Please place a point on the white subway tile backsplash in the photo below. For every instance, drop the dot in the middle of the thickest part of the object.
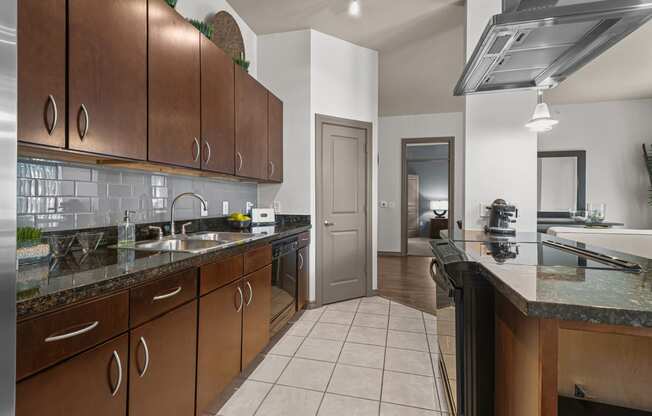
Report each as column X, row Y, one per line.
column 74, row 205
column 119, row 191
column 75, row 173
column 88, row 189
column 133, row 178
column 107, row 176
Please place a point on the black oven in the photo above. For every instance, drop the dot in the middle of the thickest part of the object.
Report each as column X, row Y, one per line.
column 284, row 279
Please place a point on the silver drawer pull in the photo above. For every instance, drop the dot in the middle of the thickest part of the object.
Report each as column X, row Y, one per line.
column 87, row 122
column 251, row 293
column 73, row 334
column 240, row 161
column 196, row 150
column 271, row 165
column 208, row 152
column 239, row 308
column 55, row 114
column 146, row 349
column 300, row 261
column 116, row 358
column 168, row 295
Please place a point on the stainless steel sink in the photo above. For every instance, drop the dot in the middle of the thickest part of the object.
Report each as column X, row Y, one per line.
column 180, row 245
column 224, row 236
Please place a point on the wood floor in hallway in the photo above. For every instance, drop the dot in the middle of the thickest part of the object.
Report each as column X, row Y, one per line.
column 407, row 280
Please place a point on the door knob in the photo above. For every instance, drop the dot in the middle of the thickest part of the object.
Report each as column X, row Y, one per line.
column 328, row 223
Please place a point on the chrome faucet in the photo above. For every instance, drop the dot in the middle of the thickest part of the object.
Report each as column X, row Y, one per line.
column 204, row 206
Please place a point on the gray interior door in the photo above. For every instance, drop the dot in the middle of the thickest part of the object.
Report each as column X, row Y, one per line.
column 343, row 213
column 412, row 206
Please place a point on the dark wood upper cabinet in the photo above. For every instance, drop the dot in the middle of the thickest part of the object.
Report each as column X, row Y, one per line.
column 250, row 127
column 162, row 364
column 303, row 277
column 219, row 339
column 92, row 383
column 217, row 109
column 275, row 139
column 257, row 288
column 42, row 72
column 107, row 73
column 174, row 88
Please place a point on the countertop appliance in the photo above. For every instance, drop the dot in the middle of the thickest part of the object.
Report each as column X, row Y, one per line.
column 501, row 216
column 539, row 43
column 261, row 216
column 284, row 279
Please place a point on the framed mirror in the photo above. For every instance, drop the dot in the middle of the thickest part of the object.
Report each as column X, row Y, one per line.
column 561, row 179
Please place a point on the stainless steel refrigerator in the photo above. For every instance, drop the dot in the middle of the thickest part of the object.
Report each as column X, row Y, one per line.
column 8, row 98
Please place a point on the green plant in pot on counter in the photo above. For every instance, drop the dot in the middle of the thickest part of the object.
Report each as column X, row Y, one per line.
column 28, row 236
column 203, row 27
column 29, row 247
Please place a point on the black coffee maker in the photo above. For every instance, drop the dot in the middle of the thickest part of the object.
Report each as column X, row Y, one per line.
column 501, row 216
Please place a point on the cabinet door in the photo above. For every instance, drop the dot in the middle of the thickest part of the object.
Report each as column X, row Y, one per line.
column 257, row 310
column 42, row 72
column 275, row 140
column 220, row 339
column 250, row 127
column 217, row 109
column 174, row 88
column 107, row 69
column 92, row 383
column 162, row 364
column 303, row 276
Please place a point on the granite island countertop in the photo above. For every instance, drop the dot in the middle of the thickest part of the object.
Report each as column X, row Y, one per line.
column 42, row 288
column 593, row 295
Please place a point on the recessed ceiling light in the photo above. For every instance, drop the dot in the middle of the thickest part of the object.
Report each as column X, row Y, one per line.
column 354, row 8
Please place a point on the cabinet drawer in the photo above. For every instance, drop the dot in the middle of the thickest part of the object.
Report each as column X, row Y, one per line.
column 49, row 339
column 162, row 295
column 257, row 258
column 304, row 239
column 221, row 273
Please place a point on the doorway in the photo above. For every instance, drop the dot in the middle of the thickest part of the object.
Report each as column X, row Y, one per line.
column 343, row 196
column 427, row 192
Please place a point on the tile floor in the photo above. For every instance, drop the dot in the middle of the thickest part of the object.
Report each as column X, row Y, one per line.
column 363, row 357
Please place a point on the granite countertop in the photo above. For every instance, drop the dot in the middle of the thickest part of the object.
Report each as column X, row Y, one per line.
column 45, row 287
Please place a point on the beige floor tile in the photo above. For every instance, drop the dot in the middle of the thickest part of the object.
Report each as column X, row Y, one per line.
column 356, row 381
column 388, row 409
column 270, row 368
column 346, row 306
column 334, row 405
column 400, row 323
column 320, row 349
column 429, row 317
column 374, row 299
column 443, row 396
column 337, row 317
column 446, row 328
column 408, row 361
column 410, row 390
column 362, row 355
column 407, row 340
column 433, row 343
column 301, row 328
column 374, row 308
column 246, row 399
column 431, row 327
column 307, row 374
column 287, row 345
column 405, row 311
column 370, row 320
column 447, row 344
column 312, row 314
column 289, row 401
column 333, row 332
column 435, row 358
column 365, row 335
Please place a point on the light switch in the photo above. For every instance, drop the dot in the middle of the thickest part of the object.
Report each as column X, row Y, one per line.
column 225, row 207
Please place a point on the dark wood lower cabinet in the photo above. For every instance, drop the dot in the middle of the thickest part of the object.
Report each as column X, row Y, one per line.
column 220, row 340
column 257, row 289
column 162, row 364
column 303, row 276
column 92, row 383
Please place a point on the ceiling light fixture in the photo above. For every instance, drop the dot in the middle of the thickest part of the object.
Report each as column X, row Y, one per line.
column 354, row 8
column 541, row 120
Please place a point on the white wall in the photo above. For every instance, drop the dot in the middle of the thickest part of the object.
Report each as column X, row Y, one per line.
column 391, row 131
column 501, row 154
column 612, row 134
column 201, row 9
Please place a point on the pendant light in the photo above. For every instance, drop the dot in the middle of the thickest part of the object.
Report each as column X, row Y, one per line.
column 354, row 8
column 541, row 120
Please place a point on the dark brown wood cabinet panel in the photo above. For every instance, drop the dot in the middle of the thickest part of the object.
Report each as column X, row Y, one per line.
column 257, row 289
column 250, row 127
column 257, row 258
column 303, row 276
column 93, row 383
column 42, row 72
column 153, row 299
column 162, row 364
column 275, row 139
column 215, row 275
column 217, row 109
column 107, row 73
column 48, row 339
column 174, row 88
column 220, row 338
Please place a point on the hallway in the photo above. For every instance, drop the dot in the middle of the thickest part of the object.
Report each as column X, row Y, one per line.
column 407, row 280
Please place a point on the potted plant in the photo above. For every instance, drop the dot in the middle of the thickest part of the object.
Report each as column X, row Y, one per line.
column 171, row 3
column 240, row 60
column 29, row 246
column 203, row 27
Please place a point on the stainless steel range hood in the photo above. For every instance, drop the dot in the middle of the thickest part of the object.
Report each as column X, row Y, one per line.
column 539, row 43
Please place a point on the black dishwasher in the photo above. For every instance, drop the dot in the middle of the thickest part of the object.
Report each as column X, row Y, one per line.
column 284, row 278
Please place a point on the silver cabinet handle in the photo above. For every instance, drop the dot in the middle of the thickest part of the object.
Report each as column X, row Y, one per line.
column 239, row 308
column 300, row 261
column 72, row 334
column 196, row 150
column 251, row 293
column 168, row 295
column 240, row 160
column 184, row 226
column 116, row 358
column 159, row 231
column 146, row 349
column 328, row 223
column 271, row 165
column 208, row 152
column 55, row 114
column 87, row 122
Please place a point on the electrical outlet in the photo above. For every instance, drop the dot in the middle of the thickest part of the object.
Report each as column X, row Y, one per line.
column 248, row 207
column 203, row 210
column 225, row 207
column 277, row 207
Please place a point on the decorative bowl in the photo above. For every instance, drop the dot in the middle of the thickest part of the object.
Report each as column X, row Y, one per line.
column 60, row 244
column 240, row 225
column 89, row 241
